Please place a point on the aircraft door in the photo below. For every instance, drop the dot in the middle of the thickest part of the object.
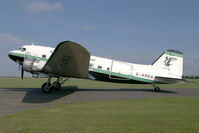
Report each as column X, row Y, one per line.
column 121, row 68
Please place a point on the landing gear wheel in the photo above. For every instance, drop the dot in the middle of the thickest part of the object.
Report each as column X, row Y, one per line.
column 56, row 85
column 46, row 87
column 157, row 89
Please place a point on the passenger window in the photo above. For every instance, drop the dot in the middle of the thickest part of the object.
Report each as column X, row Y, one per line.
column 91, row 66
column 99, row 67
column 44, row 56
column 108, row 68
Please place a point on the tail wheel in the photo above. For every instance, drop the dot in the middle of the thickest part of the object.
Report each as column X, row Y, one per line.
column 56, row 85
column 46, row 87
column 157, row 89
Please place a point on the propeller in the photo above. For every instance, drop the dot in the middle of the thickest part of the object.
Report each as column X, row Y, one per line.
column 22, row 72
column 19, row 66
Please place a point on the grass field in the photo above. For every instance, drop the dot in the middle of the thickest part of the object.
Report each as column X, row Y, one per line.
column 148, row 115
column 155, row 115
column 83, row 83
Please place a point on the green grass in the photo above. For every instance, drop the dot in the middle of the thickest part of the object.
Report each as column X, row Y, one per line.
column 82, row 83
column 152, row 115
column 149, row 115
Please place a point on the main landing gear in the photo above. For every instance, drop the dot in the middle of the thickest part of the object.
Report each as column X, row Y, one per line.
column 47, row 86
column 156, row 88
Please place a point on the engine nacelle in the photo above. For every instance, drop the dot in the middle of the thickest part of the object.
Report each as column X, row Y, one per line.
column 33, row 65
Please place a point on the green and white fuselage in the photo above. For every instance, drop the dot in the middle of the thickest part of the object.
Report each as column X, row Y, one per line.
column 167, row 67
column 118, row 70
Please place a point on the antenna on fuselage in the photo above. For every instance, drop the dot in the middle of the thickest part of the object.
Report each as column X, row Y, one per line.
column 32, row 43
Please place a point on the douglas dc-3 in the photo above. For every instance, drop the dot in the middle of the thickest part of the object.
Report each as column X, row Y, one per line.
column 71, row 60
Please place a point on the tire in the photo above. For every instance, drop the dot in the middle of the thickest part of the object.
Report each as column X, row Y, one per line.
column 56, row 85
column 45, row 88
column 157, row 89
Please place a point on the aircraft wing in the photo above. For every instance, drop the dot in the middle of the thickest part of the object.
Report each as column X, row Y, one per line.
column 69, row 59
column 169, row 80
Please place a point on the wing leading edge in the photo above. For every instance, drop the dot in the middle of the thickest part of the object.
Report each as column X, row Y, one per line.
column 69, row 59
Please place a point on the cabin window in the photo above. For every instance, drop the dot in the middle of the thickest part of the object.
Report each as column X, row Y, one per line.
column 44, row 56
column 99, row 67
column 108, row 68
column 91, row 66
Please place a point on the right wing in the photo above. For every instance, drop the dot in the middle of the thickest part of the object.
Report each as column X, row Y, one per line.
column 69, row 59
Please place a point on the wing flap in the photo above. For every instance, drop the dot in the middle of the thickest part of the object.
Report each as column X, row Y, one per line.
column 69, row 59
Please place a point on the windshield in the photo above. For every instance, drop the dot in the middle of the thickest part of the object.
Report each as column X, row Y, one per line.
column 22, row 49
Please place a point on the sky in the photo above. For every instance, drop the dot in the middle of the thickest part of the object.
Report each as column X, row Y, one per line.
column 136, row 31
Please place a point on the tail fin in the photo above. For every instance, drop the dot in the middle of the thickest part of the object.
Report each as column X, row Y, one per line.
column 170, row 64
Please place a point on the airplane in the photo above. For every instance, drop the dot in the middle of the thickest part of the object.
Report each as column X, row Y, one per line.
column 71, row 60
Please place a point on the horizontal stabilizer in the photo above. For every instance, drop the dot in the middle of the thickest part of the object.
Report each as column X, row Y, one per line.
column 169, row 80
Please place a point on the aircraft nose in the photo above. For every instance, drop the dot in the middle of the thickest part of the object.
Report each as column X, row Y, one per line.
column 13, row 55
column 10, row 53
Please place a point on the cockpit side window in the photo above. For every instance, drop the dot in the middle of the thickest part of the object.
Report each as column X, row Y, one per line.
column 22, row 49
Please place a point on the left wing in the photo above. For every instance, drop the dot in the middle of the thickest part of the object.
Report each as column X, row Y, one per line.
column 69, row 59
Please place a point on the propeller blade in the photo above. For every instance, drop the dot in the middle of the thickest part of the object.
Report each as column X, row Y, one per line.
column 22, row 72
column 19, row 66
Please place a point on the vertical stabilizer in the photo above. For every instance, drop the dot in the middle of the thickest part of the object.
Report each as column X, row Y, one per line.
column 169, row 64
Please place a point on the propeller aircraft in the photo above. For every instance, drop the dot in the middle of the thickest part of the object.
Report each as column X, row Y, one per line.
column 71, row 60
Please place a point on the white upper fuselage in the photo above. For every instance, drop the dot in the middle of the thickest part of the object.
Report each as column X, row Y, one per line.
column 42, row 52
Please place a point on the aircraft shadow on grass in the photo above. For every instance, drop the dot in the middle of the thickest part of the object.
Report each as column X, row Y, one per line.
column 34, row 95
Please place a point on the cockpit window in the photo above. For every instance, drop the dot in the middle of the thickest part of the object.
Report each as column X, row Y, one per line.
column 22, row 49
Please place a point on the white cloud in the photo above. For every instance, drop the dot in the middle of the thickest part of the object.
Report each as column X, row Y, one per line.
column 8, row 39
column 87, row 27
column 37, row 7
